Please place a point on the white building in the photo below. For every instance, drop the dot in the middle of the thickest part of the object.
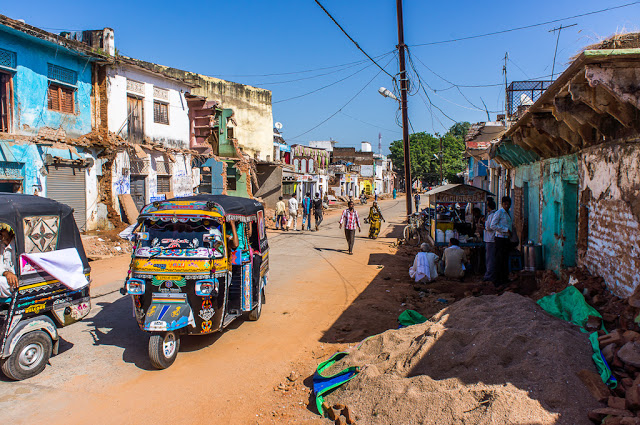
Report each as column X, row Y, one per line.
column 149, row 110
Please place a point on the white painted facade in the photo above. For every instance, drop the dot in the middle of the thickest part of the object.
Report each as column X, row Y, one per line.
column 125, row 81
column 176, row 133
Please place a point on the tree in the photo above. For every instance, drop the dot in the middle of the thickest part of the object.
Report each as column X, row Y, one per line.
column 425, row 155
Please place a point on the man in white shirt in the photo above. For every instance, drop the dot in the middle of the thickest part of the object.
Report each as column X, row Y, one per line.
column 502, row 224
column 425, row 265
column 293, row 212
column 489, row 243
column 8, row 278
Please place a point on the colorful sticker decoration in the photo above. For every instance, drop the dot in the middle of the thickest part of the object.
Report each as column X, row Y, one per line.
column 207, row 326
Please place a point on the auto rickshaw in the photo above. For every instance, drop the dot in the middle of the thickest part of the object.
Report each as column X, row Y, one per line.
column 185, row 278
column 47, row 257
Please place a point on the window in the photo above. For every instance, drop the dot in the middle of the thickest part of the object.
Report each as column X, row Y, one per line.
column 296, row 166
column 231, row 178
column 61, row 98
column 160, row 112
column 164, row 184
column 311, row 165
column 303, row 166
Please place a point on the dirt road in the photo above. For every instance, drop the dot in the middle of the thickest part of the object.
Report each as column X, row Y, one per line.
column 103, row 374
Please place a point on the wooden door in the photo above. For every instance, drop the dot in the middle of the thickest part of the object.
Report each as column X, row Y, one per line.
column 5, row 102
column 138, row 191
column 135, row 121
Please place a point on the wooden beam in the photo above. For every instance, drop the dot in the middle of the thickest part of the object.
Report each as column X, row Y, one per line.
column 559, row 131
column 525, row 143
column 563, row 111
column 602, row 101
column 541, row 141
column 621, row 82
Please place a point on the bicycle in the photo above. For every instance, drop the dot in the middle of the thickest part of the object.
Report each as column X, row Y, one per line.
column 411, row 232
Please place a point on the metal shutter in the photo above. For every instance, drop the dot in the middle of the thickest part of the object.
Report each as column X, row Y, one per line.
column 67, row 185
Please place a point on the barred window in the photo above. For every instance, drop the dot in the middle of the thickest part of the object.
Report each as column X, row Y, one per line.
column 160, row 112
column 61, row 98
column 164, row 184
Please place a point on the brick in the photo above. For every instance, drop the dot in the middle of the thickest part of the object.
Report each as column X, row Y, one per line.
column 633, row 397
column 608, row 411
column 351, row 418
column 630, row 421
column 594, row 384
column 630, row 353
column 617, row 403
column 614, row 337
column 341, row 421
column 631, row 336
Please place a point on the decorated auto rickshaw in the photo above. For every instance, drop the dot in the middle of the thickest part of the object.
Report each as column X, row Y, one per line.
column 185, row 275
column 41, row 250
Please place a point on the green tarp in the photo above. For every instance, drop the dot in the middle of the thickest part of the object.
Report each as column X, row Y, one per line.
column 571, row 306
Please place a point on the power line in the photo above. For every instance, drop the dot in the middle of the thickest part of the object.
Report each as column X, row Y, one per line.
column 527, row 26
column 306, row 70
column 368, row 123
column 323, row 87
column 343, row 106
column 352, row 40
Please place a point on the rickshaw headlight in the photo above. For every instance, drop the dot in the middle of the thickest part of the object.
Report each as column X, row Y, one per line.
column 135, row 287
column 207, row 287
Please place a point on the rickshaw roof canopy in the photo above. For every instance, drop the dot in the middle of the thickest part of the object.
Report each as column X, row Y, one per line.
column 231, row 207
column 457, row 193
column 15, row 207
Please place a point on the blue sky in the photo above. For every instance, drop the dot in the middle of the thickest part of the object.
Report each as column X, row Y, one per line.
column 244, row 40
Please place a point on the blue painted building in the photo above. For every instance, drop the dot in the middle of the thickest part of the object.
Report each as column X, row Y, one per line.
column 46, row 100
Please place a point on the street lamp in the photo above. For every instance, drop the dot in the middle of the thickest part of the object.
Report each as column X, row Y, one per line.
column 405, row 140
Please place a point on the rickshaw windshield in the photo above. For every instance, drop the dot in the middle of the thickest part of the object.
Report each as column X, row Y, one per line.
column 192, row 235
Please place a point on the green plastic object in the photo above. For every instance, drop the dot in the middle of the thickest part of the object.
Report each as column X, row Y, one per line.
column 324, row 384
column 571, row 306
column 411, row 317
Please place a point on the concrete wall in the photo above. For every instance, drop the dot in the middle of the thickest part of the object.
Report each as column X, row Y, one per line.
column 269, row 183
column 176, row 133
column 30, row 85
column 609, row 235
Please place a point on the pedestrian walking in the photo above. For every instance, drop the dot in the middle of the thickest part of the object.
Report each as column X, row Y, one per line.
column 281, row 211
column 502, row 223
column 375, row 217
column 307, row 205
column 351, row 221
column 489, row 243
column 293, row 213
column 416, row 198
column 318, row 210
column 395, row 193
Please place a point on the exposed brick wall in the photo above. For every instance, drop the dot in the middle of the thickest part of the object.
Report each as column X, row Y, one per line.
column 609, row 187
column 518, row 212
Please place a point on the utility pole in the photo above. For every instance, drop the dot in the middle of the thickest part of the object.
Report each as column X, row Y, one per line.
column 559, row 29
column 507, row 110
column 441, row 154
column 403, row 107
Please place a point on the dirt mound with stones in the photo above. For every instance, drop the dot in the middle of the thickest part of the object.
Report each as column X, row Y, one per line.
column 485, row 360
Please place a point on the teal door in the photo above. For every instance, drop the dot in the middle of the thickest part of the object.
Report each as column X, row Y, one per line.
column 570, row 221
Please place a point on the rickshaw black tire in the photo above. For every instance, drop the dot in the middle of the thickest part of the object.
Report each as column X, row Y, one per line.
column 156, row 351
column 257, row 311
column 11, row 366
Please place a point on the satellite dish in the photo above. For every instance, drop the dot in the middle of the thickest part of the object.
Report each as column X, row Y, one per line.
column 278, row 125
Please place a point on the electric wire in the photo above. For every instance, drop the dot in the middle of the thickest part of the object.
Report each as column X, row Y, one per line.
column 352, row 40
column 453, row 40
column 323, row 87
column 368, row 123
column 343, row 106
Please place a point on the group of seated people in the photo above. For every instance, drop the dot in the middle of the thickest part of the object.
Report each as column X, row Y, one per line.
column 427, row 265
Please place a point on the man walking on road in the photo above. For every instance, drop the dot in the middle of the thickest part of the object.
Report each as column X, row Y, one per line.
column 281, row 210
column 416, row 198
column 306, row 211
column 293, row 213
column 317, row 210
column 351, row 221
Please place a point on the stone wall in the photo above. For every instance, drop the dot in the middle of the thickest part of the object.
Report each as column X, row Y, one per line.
column 609, row 240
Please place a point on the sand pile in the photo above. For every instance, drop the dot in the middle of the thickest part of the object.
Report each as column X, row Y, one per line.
column 486, row 360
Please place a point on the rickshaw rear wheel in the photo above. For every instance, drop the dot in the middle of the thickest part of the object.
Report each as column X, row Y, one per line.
column 30, row 356
column 257, row 311
column 163, row 349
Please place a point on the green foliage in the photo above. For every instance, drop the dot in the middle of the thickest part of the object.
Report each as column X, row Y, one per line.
column 423, row 147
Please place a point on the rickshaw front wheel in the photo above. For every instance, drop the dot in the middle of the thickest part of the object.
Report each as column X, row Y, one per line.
column 163, row 349
column 29, row 357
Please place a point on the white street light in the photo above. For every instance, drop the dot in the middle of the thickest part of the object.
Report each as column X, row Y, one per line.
column 387, row 93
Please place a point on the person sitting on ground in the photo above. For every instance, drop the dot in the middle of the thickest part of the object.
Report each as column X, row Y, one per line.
column 8, row 278
column 425, row 265
column 454, row 259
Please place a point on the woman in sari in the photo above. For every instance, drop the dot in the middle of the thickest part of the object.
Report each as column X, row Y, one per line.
column 375, row 217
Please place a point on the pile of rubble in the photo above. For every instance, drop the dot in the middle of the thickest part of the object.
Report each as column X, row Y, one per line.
column 104, row 246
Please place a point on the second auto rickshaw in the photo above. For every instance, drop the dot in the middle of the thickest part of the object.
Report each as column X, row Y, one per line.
column 185, row 275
